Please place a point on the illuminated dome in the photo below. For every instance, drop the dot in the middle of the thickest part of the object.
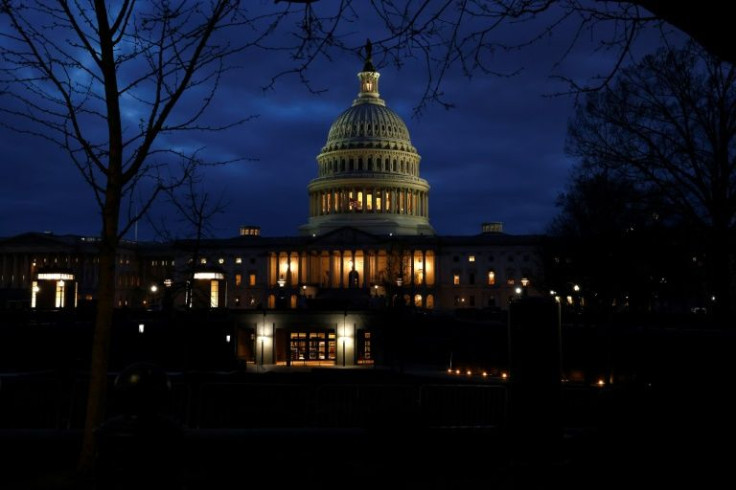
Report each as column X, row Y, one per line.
column 368, row 171
column 368, row 124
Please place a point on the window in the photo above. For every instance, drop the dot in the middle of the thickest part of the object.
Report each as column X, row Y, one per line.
column 214, row 293
column 471, row 300
column 238, row 260
column 471, row 258
column 471, row 278
column 220, row 260
column 491, row 278
column 252, row 279
column 59, row 299
column 238, row 279
column 456, row 279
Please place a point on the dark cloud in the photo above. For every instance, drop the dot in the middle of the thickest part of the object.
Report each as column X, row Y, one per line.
column 496, row 156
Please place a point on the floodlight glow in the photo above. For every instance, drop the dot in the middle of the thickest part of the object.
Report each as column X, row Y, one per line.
column 209, row 275
column 55, row 276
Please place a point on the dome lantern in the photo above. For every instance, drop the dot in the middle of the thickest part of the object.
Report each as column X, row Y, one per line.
column 368, row 79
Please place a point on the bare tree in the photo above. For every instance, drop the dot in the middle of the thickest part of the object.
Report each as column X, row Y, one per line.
column 469, row 35
column 669, row 124
column 196, row 208
column 106, row 82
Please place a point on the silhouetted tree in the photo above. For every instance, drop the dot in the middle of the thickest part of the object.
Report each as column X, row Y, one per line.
column 196, row 208
column 668, row 126
column 106, row 82
column 470, row 34
column 618, row 241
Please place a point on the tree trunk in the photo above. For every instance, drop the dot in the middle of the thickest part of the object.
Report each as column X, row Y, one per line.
column 97, row 392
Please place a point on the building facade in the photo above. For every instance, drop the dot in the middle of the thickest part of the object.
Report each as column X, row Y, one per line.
column 322, row 296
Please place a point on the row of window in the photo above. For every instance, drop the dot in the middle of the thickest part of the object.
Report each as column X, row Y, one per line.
column 380, row 166
column 491, row 278
column 220, row 260
column 491, row 258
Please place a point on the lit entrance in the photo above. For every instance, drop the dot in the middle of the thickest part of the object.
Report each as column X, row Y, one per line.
column 312, row 348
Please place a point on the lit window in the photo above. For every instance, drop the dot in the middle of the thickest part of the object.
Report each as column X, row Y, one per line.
column 203, row 260
column 59, row 300
column 252, row 279
column 238, row 279
column 238, row 260
column 214, row 293
column 456, row 279
column 34, row 291
column 471, row 258
column 491, row 278
column 220, row 260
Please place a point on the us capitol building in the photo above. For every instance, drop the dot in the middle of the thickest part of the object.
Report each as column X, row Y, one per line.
column 320, row 297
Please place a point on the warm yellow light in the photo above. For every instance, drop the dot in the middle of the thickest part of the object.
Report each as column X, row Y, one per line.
column 469, row 372
column 55, row 276
column 601, row 382
column 457, row 371
column 154, row 288
column 485, row 374
column 504, row 375
column 209, row 275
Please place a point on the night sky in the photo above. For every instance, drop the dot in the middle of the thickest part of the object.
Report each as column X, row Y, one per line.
column 497, row 155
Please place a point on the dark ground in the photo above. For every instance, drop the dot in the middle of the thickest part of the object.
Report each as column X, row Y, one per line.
column 675, row 436
column 664, row 419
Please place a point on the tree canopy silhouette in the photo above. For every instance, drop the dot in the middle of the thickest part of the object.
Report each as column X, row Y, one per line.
column 668, row 124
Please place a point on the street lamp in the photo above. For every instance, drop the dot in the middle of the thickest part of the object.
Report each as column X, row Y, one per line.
column 154, row 290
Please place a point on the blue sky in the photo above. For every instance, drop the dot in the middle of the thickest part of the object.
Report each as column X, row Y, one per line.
column 497, row 155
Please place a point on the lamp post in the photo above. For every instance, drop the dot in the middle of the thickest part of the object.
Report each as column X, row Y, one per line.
column 399, row 320
column 154, row 290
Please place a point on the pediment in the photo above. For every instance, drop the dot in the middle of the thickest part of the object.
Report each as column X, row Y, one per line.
column 347, row 236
